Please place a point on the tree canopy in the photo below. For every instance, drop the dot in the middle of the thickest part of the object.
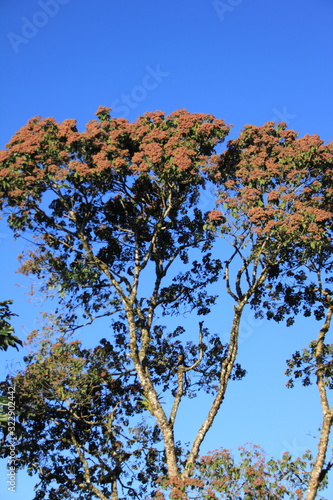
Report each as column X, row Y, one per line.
column 118, row 231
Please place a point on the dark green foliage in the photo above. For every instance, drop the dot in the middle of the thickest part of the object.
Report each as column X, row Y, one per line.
column 7, row 339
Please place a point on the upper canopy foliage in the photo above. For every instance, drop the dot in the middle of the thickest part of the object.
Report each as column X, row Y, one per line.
column 116, row 196
column 278, row 183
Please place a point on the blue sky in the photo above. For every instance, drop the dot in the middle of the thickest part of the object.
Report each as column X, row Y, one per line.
column 241, row 60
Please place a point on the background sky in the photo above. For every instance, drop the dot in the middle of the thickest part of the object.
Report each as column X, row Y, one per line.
column 241, row 60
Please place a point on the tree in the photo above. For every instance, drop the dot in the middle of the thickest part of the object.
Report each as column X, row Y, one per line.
column 120, row 204
column 279, row 187
column 116, row 209
column 80, row 404
column 316, row 360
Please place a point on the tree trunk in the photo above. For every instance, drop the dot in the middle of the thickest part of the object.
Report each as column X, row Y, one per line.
column 318, row 469
column 316, row 472
column 155, row 408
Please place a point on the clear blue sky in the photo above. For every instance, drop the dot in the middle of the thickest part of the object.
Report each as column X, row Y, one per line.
column 241, row 60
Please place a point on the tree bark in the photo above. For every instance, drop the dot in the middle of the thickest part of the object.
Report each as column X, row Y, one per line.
column 315, row 477
column 155, row 406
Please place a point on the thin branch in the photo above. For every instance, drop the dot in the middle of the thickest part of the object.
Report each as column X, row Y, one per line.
column 180, row 390
column 227, row 277
column 198, row 361
column 180, row 377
